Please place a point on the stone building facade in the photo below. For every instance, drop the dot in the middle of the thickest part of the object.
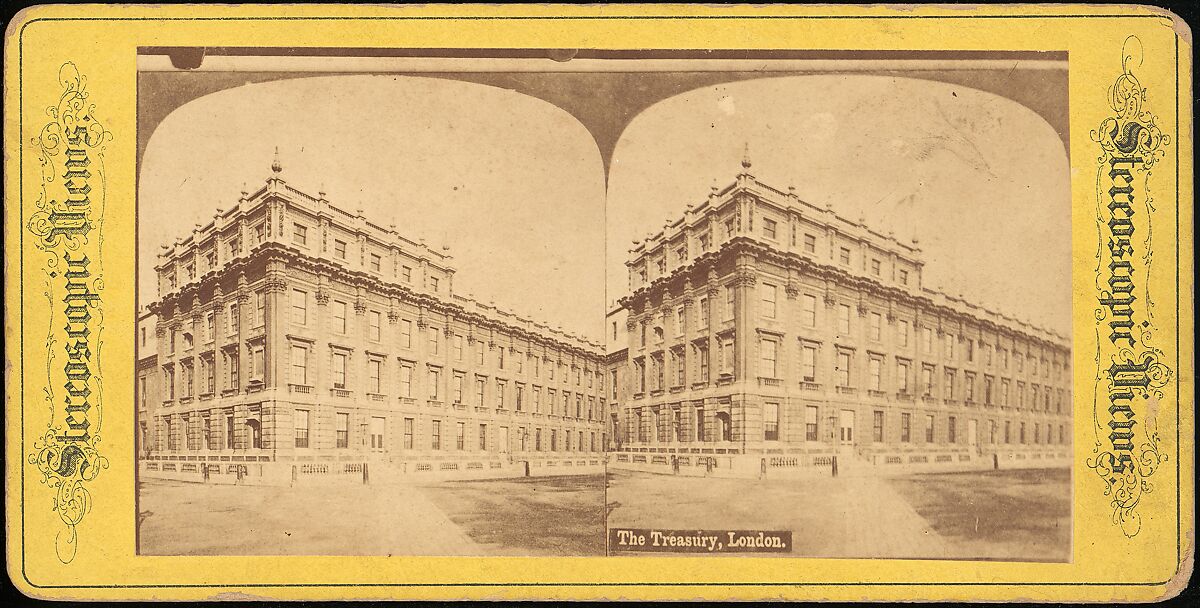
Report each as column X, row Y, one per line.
column 758, row 323
column 290, row 330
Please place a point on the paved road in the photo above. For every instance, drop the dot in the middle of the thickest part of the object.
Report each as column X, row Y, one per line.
column 860, row 517
column 195, row 519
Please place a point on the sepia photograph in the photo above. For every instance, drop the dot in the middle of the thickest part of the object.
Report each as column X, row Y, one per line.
column 572, row 303
column 370, row 317
column 840, row 314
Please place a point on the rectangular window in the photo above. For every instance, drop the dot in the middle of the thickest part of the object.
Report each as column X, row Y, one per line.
column 768, row 293
column 810, row 423
column 927, row 340
column 844, row 320
column 729, row 306
column 727, row 354
column 435, row 434
column 299, row 360
column 460, row 436
column 343, row 430
column 406, row 377
column 234, row 321
column 258, row 362
column 232, row 362
column 406, row 333
column 952, row 430
column 409, row 423
column 877, row 426
column 948, row 386
column 260, row 308
column 459, row 379
column 301, row 428
column 929, row 428
column 339, row 316
column 810, row 243
column 519, row 404
column 434, row 378
column 875, row 370
column 902, row 332
column 703, row 314
column 434, row 340
column 210, row 327
column 299, row 307
column 843, row 368
column 905, row 427
column 770, row 421
column 374, row 325
column 808, row 363
column 338, row 366
column 876, row 326
column 903, row 274
column 500, row 386
column 339, row 249
column 844, row 255
column 701, row 351
column 808, row 310
column 458, row 347
column 902, row 377
column 483, row 445
column 406, row 273
column 770, row 228
column 479, row 388
column 374, row 375
column 876, row 267
column 768, row 353
column 376, row 262
column 300, row 234
column 378, row 425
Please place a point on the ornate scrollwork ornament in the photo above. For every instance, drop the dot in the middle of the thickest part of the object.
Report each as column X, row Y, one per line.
column 68, row 215
column 1131, row 377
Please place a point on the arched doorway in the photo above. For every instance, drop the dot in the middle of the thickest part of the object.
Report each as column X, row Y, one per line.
column 724, row 426
column 254, row 434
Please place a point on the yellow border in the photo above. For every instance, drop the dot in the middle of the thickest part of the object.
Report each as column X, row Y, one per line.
column 101, row 41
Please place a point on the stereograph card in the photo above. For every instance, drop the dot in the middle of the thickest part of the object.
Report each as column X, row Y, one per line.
column 604, row 302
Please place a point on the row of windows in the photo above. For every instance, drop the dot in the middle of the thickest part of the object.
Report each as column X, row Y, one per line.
column 845, row 376
column 233, row 248
column 376, row 437
column 339, row 323
column 875, row 323
column 770, row 230
column 655, row 376
column 207, row 432
column 665, row 425
column 499, row 391
column 374, row 260
column 180, row 381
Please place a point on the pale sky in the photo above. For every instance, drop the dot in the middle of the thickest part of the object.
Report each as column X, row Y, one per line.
column 512, row 184
column 990, row 178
